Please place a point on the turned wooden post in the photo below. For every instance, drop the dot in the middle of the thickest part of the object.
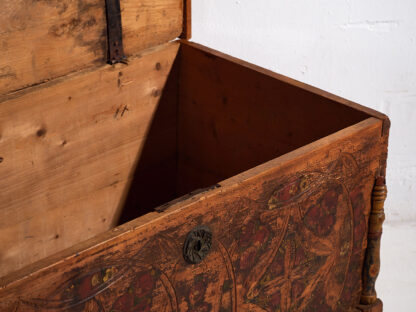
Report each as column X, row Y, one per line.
column 371, row 267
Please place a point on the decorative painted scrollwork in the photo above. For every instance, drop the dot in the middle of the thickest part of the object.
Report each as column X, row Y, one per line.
column 297, row 246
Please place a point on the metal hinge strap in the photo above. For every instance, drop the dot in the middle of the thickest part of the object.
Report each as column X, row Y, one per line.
column 114, row 32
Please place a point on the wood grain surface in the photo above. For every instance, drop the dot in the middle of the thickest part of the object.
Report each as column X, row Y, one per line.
column 288, row 235
column 69, row 151
column 44, row 39
column 233, row 117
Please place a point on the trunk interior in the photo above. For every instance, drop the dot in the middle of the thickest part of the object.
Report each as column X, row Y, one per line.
column 216, row 119
column 97, row 149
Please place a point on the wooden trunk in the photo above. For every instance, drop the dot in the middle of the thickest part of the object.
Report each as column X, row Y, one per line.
column 180, row 179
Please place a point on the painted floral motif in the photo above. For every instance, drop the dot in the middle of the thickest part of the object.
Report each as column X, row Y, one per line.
column 138, row 297
column 307, row 248
column 320, row 217
column 283, row 286
column 196, row 295
column 85, row 287
column 291, row 190
column 253, row 236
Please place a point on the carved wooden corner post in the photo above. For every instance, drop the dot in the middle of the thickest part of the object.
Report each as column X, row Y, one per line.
column 371, row 269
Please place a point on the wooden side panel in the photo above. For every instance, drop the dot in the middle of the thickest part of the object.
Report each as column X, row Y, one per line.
column 44, row 39
column 288, row 235
column 70, row 149
column 148, row 23
column 232, row 118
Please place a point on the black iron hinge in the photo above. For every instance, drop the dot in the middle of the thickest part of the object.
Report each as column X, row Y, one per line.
column 114, row 32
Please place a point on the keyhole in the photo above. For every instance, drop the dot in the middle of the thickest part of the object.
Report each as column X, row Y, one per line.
column 198, row 246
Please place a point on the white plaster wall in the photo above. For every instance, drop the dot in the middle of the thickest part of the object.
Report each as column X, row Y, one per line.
column 362, row 50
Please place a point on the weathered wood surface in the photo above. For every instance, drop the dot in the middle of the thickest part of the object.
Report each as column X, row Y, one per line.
column 69, row 150
column 44, row 39
column 288, row 235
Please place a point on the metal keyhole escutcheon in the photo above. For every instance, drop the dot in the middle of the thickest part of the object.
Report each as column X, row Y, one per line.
column 197, row 244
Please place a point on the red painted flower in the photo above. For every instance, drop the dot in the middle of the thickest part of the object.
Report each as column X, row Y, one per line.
column 197, row 293
column 144, row 284
column 247, row 259
column 131, row 303
column 143, row 306
column 260, row 235
column 202, row 307
column 289, row 191
column 124, row 303
column 321, row 217
column 297, row 289
column 300, row 255
column 247, row 234
column 275, row 300
column 85, row 287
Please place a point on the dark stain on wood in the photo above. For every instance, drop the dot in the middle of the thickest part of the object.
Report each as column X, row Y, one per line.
column 81, row 26
column 120, row 112
column 61, row 6
column 114, row 183
column 66, row 28
column 41, row 132
column 116, row 113
column 224, row 100
column 125, row 109
column 156, row 92
column 119, row 84
column 7, row 72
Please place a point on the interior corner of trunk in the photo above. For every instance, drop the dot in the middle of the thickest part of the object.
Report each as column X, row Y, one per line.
column 217, row 118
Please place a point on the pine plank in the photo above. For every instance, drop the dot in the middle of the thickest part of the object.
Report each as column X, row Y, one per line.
column 43, row 40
